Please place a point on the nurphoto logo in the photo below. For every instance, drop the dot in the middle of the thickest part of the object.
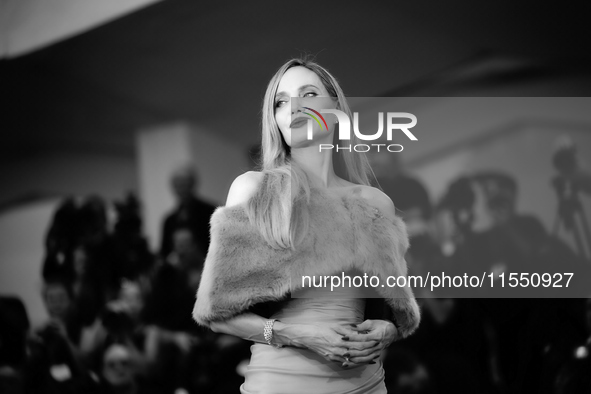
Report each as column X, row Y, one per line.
column 345, row 129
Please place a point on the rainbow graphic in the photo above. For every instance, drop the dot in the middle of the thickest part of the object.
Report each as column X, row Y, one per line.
column 315, row 118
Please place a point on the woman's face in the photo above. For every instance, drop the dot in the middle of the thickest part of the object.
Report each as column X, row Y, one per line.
column 303, row 85
column 131, row 296
column 57, row 301
column 117, row 365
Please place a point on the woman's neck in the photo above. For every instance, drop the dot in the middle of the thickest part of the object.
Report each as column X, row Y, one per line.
column 317, row 166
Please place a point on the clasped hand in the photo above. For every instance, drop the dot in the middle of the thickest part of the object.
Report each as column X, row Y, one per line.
column 354, row 344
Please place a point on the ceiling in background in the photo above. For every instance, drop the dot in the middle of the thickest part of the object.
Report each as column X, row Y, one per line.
column 28, row 25
column 209, row 63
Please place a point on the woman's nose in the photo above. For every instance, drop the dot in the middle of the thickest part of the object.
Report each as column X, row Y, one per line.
column 295, row 105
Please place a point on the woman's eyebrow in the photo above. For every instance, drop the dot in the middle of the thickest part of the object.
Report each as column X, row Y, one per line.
column 307, row 86
column 304, row 87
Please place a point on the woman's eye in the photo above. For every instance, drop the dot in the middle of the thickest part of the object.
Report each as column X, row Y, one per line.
column 279, row 103
column 312, row 94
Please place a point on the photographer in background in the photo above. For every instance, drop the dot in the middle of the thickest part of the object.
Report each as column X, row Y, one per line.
column 77, row 251
column 567, row 162
column 55, row 361
column 571, row 181
column 174, row 284
column 489, row 235
column 190, row 211
column 129, row 254
column 156, row 354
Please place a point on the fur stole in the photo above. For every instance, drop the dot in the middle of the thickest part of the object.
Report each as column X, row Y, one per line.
column 345, row 233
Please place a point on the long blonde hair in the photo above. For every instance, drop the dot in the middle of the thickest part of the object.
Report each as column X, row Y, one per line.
column 279, row 208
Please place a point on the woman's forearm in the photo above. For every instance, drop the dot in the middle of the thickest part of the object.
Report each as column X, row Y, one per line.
column 250, row 326
column 247, row 326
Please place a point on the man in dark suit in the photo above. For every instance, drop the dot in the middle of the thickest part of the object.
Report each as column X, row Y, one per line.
column 190, row 212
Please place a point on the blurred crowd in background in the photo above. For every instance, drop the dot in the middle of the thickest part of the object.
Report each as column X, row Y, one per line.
column 481, row 341
column 120, row 313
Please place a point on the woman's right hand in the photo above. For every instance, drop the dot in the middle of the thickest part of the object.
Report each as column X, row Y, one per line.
column 331, row 342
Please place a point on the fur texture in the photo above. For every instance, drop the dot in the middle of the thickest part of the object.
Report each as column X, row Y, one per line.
column 345, row 233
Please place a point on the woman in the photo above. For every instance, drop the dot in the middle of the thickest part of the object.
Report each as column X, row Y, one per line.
column 297, row 217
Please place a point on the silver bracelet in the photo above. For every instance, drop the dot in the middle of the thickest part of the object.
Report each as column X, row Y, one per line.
column 268, row 332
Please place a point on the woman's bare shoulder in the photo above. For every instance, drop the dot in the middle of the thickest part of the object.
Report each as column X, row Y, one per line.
column 244, row 187
column 374, row 197
column 380, row 200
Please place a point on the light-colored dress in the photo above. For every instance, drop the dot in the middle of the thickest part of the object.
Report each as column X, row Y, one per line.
column 297, row 371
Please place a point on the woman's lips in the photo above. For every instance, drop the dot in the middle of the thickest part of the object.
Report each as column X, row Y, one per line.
column 298, row 122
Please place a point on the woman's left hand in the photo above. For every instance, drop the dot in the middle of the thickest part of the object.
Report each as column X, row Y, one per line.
column 383, row 332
